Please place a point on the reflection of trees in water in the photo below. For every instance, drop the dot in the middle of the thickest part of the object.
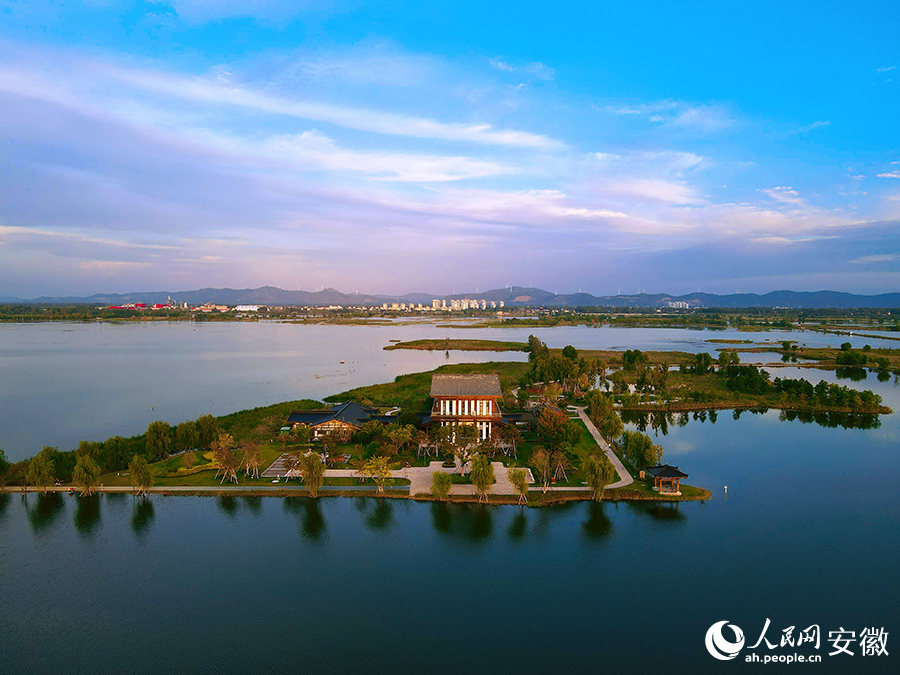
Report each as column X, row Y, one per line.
column 141, row 514
column 471, row 522
column 380, row 517
column 45, row 510
column 309, row 512
column 661, row 511
column 832, row 419
column 659, row 422
column 227, row 504
column 87, row 513
column 4, row 502
column 518, row 526
column 597, row 525
column 253, row 503
column 852, row 373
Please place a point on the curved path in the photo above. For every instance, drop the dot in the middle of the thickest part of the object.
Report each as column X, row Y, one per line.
column 624, row 477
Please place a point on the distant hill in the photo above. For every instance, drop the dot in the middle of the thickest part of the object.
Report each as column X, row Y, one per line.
column 512, row 296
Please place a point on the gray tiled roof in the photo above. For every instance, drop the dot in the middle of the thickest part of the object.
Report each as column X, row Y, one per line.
column 465, row 385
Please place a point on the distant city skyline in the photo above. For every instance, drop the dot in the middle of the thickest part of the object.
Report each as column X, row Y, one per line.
column 426, row 147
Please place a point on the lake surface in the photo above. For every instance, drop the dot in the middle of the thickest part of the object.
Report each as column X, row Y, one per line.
column 61, row 383
column 809, row 534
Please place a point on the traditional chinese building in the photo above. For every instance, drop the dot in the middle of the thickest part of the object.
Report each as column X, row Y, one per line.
column 344, row 418
column 467, row 399
column 666, row 478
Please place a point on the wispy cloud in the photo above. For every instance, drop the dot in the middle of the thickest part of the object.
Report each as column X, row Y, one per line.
column 889, row 174
column 885, row 69
column 879, row 258
column 535, row 69
column 815, row 125
column 704, row 117
column 787, row 195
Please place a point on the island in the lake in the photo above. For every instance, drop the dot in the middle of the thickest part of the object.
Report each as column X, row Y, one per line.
column 535, row 432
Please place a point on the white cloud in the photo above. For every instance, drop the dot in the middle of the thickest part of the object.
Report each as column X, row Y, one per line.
column 815, row 125
column 866, row 259
column 534, row 69
column 787, row 195
column 703, row 117
column 885, row 69
column 890, row 174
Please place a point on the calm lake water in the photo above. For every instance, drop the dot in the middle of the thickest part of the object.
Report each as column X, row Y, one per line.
column 809, row 534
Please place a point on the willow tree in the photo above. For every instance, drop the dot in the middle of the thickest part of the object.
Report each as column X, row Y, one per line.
column 540, row 462
column 441, row 482
column 598, row 473
column 520, row 483
column 86, row 474
column 207, row 429
column 227, row 463
column 141, row 475
column 378, row 470
column 611, row 427
column 312, row 470
column 482, row 474
column 158, row 440
column 41, row 472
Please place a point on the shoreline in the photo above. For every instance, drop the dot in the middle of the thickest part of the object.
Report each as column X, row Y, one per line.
column 537, row 497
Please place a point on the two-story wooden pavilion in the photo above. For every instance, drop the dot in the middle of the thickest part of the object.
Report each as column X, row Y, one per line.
column 467, row 399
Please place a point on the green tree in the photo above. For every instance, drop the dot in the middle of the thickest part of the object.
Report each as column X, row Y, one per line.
column 208, row 429
column 158, row 440
column 640, row 450
column 611, row 427
column 141, row 476
column 520, row 483
column 550, row 422
column 86, row 474
column 187, row 436
column 702, row 363
column 570, row 352
column 379, row 470
column 441, row 483
column 4, row 467
column 540, row 462
column 41, row 471
column 598, row 473
column 312, row 470
column 482, row 475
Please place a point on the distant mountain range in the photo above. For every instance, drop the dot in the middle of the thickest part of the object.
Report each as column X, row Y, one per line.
column 513, row 296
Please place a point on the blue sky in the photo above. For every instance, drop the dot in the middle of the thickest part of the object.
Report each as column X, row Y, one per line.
column 441, row 146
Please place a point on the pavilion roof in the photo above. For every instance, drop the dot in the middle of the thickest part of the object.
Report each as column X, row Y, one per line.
column 665, row 471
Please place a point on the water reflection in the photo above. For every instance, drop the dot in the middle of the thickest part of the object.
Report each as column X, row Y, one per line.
column 227, row 504
column 471, row 522
column 253, row 504
column 381, row 516
column 659, row 422
column 141, row 515
column 45, row 511
column 852, row 373
column 309, row 511
column 87, row 513
column 832, row 419
column 597, row 525
column 518, row 526
column 662, row 511
column 4, row 502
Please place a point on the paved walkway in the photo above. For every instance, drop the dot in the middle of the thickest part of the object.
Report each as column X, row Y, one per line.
column 624, row 477
column 419, row 477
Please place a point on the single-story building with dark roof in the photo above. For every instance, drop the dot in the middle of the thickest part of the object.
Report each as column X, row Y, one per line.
column 341, row 418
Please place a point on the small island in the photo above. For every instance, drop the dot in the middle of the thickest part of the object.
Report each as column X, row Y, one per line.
column 535, row 432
